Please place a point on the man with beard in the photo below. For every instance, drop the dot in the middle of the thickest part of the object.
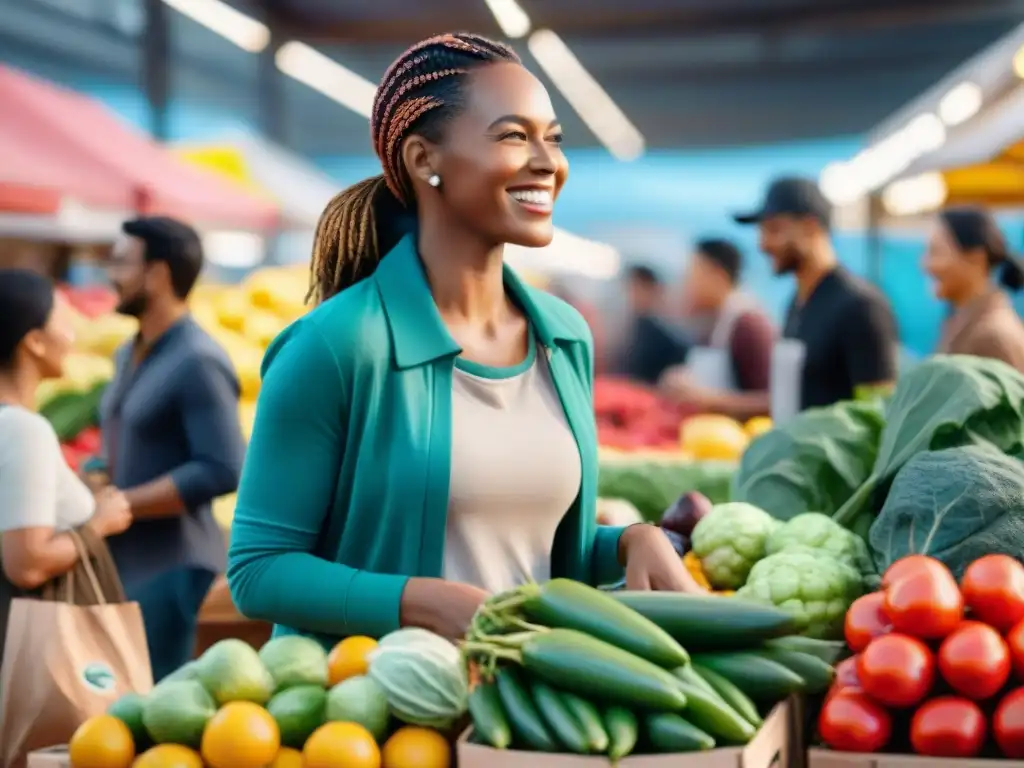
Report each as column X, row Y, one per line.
column 840, row 335
column 171, row 435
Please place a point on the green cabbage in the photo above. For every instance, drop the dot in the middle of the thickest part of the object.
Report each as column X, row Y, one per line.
column 820, row 533
column 729, row 540
column 816, row 589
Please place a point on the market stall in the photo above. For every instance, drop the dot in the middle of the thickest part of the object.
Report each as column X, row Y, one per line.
column 73, row 145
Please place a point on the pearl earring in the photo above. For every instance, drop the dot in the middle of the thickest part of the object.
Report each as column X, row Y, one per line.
column 434, row 181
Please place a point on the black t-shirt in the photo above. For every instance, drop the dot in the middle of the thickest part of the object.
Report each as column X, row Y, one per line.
column 849, row 332
column 654, row 344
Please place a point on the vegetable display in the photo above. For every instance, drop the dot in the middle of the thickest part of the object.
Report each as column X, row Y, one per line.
column 367, row 704
column 936, row 665
column 566, row 668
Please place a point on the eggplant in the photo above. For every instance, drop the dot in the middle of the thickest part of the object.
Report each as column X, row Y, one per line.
column 685, row 513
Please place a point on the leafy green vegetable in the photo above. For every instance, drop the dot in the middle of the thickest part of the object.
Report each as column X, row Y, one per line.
column 652, row 486
column 817, row 590
column 946, row 401
column 729, row 540
column 823, row 535
column 814, row 463
column 955, row 505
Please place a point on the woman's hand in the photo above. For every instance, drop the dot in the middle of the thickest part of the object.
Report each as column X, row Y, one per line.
column 652, row 562
column 113, row 514
column 446, row 608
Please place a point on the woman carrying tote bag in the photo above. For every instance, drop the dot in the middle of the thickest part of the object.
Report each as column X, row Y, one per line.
column 70, row 644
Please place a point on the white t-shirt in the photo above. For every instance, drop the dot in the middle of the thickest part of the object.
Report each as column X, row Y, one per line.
column 37, row 487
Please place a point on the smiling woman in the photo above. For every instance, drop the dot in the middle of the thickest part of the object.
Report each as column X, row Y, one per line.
column 425, row 436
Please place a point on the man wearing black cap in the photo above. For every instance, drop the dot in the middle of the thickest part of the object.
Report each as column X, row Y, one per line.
column 840, row 334
column 729, row 372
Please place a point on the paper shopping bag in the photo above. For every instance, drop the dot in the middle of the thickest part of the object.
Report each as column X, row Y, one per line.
column 64, row 663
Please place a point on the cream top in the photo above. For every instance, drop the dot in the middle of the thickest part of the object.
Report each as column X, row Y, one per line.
column 515, row 472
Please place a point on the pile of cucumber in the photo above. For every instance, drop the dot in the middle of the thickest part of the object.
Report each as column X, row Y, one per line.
column 563, row 667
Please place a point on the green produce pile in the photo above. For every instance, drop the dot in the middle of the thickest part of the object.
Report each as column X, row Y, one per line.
column 809, row 566
column 564, row 667
column 651, row 485
column 414, row 682
column 935, row 470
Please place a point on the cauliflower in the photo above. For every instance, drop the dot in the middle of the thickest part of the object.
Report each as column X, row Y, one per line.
column 729, row 540
column 820, row 533
column 814, row 587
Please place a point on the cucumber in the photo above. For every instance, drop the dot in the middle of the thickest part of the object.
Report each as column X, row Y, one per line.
column 704, row 622
column 688, row 674
column 623, row 732
column 708, row 711
column 599, row 671
column 668, row 732
column 829, row 651
column 817, row 675
column 732, row 695
column 559, row 718
column 566, row 604
column 589, row 719
column 761, row 679
column 489, row 720
column 527, row 724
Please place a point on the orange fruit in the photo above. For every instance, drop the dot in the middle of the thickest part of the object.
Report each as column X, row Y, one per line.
column 349, row 658
column 240, row 735
column 287, row 758
column 168, row 756
column 412, row 747
column 102, row 742
column 347, row 744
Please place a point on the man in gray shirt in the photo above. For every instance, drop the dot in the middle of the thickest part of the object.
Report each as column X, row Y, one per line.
column 171, row 435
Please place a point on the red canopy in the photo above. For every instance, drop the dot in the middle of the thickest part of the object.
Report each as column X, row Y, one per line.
column 55, row 139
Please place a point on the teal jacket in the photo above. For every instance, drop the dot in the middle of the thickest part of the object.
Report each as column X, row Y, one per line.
column 344, row 492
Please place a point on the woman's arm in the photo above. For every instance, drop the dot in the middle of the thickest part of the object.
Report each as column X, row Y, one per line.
column 31, row 461
column 286, row 494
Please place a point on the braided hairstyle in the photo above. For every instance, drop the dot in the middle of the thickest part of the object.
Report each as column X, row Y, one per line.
column 421, row 91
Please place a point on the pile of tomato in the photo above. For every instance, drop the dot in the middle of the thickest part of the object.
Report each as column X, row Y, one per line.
column 937, row 666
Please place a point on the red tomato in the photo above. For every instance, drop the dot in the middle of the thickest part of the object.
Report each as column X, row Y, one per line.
column 975, row 661
column 851, row 722
column 993, row 588
column 866, row 620
column 1015, row 639
column 896, row 670
column 846, row 673
column 948, row 727
column 1008, row 724
column 925, row 604
column 908, row 565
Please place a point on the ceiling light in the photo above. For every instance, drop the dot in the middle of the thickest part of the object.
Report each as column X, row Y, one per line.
column 1018, row 63
column 594, row 106
column 510, row 17
column 233, row 25
column 324, row 74
column 961, row 103
column 917, row 194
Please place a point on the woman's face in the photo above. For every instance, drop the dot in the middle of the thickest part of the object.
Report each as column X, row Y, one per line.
column 501, row 163
column 47, row 347
column 954, row 273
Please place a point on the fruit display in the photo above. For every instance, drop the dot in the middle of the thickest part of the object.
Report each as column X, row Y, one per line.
column 565, row 668
column 937, row 666
column 367, row 704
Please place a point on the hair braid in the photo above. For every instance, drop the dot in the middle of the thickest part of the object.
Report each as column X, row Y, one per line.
column 419, row 93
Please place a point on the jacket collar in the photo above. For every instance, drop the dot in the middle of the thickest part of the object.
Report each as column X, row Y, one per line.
column 419, row 335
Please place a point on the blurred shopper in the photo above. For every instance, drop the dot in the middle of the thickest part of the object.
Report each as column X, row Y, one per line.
column 171, row 433
column 41, row 498
column 425, row 436
column 652, row 343
column 731, row 371
column 839, row 337
column 965, row 252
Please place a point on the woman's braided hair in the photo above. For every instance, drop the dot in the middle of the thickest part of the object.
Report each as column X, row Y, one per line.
column 419, row 93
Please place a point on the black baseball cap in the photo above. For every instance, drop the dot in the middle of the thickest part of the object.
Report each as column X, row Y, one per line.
column 791, row 196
